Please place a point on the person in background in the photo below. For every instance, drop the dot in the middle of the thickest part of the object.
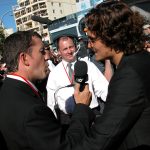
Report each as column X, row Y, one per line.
column 49, row 50
column 146, row 30
column 115, row 32
column 57, row 86
column 56, row 58
column 41, row 84
column 25, row 120
column 3, row 71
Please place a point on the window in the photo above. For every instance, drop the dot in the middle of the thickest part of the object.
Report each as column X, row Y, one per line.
column 42, row 5
column 28, row 9
column 29, row 25
column 18, row 22
column 24, row 19
column 43, row 13
column 27, row 2
column 23, row 12
column 17, row 15
column 53, row 11
column 21, row 4
column 35, row 7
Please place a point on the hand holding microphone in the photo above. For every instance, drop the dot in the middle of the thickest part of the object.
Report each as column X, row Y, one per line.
column 83, row 97
column 81, row 93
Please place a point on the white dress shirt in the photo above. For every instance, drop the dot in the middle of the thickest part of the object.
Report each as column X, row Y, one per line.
column 51, row 66
column 59, row 94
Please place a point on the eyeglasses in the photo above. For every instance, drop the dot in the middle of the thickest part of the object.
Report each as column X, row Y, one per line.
column 93, row 40
column 42, row 50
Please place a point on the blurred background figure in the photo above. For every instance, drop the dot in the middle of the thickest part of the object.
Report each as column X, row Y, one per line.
column 146, row 30
column 49, row 52
column 41, row 84
column 3, row 71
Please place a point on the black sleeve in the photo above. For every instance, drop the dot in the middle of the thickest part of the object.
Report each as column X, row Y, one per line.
column 124, row 106
column 44, row 132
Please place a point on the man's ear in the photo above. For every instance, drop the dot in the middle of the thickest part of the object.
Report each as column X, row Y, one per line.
column 23, row 57
column 59, row 53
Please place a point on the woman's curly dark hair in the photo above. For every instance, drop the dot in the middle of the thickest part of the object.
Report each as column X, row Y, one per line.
column 117, row 26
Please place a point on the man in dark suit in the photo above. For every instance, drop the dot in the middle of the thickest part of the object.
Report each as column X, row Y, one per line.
column 115, row 32
column 25, row 120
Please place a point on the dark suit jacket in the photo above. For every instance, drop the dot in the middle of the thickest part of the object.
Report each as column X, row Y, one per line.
column 27, row 123
column 125, row 123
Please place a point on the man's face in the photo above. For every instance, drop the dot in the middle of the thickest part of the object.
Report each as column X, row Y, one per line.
column 67, row 49
column 147, row 31
column 100, row 50
column 38, row 65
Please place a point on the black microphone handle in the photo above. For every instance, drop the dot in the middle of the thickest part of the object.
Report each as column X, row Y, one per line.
column 82, row 86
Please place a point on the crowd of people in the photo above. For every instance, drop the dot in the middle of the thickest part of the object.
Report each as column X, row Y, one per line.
column 41, row 104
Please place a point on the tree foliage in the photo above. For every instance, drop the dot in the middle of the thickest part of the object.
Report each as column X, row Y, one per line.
column 2, row 38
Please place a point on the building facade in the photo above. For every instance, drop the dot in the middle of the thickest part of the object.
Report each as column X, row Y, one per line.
column 51, row 9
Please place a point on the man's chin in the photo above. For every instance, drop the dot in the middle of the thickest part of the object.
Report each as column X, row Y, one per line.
column 43, row 77
column 71, row 60
column 47, row 73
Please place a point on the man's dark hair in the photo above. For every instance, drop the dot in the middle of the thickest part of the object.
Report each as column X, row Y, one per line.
column 117, row 26
column 16, row 43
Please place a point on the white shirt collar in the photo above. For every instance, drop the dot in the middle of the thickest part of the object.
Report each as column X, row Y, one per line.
column 21, row 79
column 65, row 63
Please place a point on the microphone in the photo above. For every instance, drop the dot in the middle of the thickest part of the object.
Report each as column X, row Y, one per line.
column 81, row 76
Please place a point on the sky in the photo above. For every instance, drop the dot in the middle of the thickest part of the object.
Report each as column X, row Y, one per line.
column 6, row 13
